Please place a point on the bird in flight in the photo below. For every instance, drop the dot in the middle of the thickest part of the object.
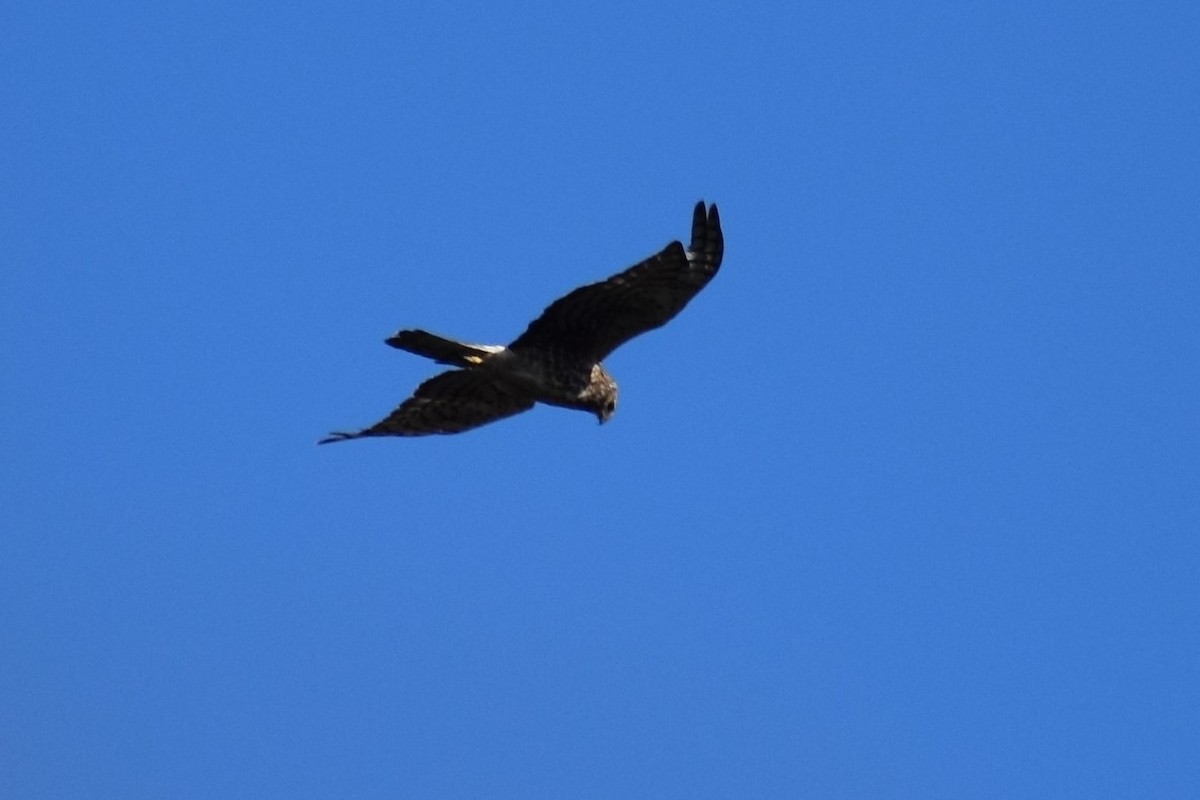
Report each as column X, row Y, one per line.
column 556, row 360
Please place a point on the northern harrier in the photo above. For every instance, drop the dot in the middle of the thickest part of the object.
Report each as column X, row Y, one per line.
column 557, row 359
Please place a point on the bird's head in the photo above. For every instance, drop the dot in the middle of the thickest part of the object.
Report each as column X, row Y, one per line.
column 601, row 394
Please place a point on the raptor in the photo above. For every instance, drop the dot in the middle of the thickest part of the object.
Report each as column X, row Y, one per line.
column 557, row 360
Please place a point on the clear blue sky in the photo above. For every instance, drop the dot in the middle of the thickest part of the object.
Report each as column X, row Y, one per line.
column 905, row 505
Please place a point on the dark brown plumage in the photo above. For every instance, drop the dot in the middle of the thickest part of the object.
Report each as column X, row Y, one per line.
column 557, row 359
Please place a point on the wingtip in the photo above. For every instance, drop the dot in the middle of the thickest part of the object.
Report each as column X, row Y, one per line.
column 706, row 212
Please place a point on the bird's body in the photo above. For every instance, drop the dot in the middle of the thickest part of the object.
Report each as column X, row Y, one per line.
column 557, row 360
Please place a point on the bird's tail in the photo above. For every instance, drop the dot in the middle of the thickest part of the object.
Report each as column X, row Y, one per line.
column 442, row 350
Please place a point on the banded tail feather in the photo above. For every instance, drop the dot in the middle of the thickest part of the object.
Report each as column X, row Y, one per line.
column 450, row 352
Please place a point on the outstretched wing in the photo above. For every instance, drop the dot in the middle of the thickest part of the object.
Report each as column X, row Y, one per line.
column 452, row 402
column 594, row 320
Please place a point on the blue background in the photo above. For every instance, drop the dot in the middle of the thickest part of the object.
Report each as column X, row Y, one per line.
column 905, row 504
